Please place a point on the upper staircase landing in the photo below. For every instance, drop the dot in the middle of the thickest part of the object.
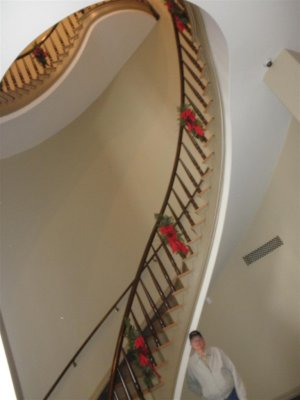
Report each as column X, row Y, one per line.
column 47, row 77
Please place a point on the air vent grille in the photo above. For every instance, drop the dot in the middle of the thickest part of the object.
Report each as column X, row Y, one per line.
column 263, row 250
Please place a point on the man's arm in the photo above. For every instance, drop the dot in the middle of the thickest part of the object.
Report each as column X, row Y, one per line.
column 238, row 383
column 193, row 383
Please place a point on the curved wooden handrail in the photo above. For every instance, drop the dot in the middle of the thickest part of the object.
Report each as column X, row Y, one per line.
column 72, row 361
column 149, row 243
column 188, row 94
column 144, row 263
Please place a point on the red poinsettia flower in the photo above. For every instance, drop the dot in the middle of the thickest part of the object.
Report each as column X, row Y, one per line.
column 171, row 235
column 179, row 24
column 188, row 114
column 198, row 130
column 181, row 247
column 140, row 344
column 144, row 361
column 168, row 231
column 189, row 126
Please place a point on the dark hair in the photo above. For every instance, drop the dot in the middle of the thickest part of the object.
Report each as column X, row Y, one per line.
column 194, row 334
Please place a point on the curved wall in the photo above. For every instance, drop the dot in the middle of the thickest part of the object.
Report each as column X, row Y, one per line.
column 81, row 203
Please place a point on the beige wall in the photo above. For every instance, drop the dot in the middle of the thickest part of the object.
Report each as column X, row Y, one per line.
column 77, row 210
column 254, row 316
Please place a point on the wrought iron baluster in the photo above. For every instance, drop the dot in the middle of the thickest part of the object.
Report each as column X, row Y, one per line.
column 133, row 376
column 183, row 208
column 153, row 305
column 170, row 257
column 158, row 288
column 148, row 320
column 178, row 222
column 145, row 338
column 124, row 384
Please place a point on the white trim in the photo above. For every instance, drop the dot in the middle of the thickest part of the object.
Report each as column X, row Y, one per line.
column 223, row 196
column 7, row 391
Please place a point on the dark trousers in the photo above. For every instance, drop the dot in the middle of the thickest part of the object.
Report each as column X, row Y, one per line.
column 233, row 395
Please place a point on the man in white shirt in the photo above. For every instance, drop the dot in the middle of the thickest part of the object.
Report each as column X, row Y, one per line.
column 211, row 374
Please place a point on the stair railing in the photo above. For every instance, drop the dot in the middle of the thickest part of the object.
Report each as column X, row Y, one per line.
column 157, row 281
column 184, row 197
column 72, row 362
column 47, row 57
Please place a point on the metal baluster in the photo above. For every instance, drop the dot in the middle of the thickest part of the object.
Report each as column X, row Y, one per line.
column 196, row 145
column 196, row 109
column 191, row 58
column 158, row 287
column 178, row 222
column 196, row 93
column 133, row 376
column 170, row 257
column 192, row 158
column 124, row 384
column 149, row 323
column 189, row 174
column 187, row 192
column 197, row 79
column 188, row 41
column 184, row 208
column 164, row 271
column 153, row 305
column 115, row 395
column 145, row 338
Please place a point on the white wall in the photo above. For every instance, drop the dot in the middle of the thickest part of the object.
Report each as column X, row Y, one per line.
column 254, row 315
column 82, row 203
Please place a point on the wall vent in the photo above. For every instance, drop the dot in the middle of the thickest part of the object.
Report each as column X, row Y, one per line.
column 263, row 250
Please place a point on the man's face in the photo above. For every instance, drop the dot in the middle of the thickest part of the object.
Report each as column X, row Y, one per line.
column 198, row 343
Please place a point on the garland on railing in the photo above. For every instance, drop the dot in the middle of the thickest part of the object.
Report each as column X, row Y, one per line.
column 138, row 352
column 180, row 16
column 40, row 55
column 190, row 122
column 170, row 235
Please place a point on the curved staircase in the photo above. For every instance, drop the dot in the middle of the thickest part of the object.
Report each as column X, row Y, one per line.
column 162, row 295
column 160, row 300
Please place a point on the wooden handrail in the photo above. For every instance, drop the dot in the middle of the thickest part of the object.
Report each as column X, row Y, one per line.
column 87, row 340
column 185, row 185
column 154, row 230
column 192, row 92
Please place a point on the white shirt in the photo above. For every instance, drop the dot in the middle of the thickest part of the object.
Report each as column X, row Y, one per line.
column 215, row 377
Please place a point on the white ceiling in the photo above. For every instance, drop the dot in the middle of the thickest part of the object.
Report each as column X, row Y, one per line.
column 81, row 83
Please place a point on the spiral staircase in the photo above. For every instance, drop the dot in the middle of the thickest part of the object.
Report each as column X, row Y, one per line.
column 159, row 302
